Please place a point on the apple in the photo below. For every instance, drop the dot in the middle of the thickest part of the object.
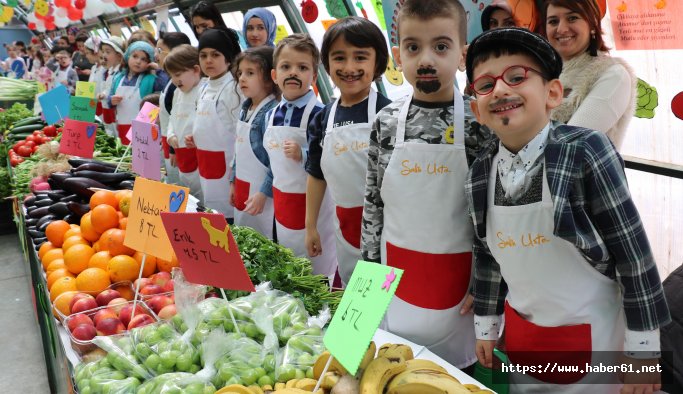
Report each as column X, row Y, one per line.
column 140, row 320
column 107, row 295
column 158, row 302
column 143, row 282
column 161, row 278
column 117, row 303
column 78, row 319
column 211, row 294
column 84, row 332
column 167, row 312
column 77, row 297
column 127, row 312
column 168, row 287
column 151, row 290
column 84, row 304
column 103, row 314
column 110, row 326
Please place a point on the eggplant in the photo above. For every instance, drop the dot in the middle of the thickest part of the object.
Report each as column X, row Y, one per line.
column 39, row 241
column 29, row 202
column 44, row 203
column 80, row 186
column 31, row 222
column 75, row 163
column 42, row 197
column 126, row 185
column 43, row 226
column 36, row 234
column 56, row 180
column 72, row 219
column 59, row 209
column 78, row 209
column 56, row 195
column 105, row 177
column 70, row 197
column 44, row 219
column 94, row 167
column 31, row 209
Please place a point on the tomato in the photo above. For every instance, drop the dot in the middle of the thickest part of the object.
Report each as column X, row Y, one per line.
column 59, row 130
column 37, row 132
column 50, row 131
column 25, row 151
column 18, row 145
column 31, row 138
column 14, row 161
column 11, row 152
column 30, row 143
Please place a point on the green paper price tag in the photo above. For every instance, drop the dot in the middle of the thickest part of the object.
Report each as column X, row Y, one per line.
column 82, row 109
column 365, row 300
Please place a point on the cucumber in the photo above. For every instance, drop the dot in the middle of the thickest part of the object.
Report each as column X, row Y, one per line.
column 25, row 129
column 28, row 121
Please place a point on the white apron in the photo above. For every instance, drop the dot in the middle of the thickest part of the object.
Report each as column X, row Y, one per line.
column 171, row 172
column 428, row 233
column 289, row 196
column 249, row 171
column 344, row 163
column 557, row 305
column 61, row 76
column 128, row 108
column 215, row 151
column 184, row 109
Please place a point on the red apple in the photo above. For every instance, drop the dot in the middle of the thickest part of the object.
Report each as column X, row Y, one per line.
column 103, row 314
column 84, row 332
column 140, row 320
column 117, row 303
column 77, row 297
column 78, row 319
column 160, row 278
column 167, row 312
column 143, row 282
column 127, row 312
column 107, row 295
column 168, row 287
column 158, row 302
column 151, row 290
column 83, row 305
column 110, row 326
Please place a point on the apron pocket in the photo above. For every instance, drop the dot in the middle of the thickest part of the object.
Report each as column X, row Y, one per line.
column 211, row 163
column 122, row 129
column 186, row 159
column 165, row 148
column 290, row 209
column 431, row 281
column 98, row 109
column 241, row 193
column 109, row 115
column 350, row 224
column 529, row 344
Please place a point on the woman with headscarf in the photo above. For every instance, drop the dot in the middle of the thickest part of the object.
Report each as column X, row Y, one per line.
column 259, row 27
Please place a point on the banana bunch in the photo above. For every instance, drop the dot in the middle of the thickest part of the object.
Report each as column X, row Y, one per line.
column 293, row 386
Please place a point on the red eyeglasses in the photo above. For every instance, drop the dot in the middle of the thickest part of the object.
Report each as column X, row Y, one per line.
column 512, row 76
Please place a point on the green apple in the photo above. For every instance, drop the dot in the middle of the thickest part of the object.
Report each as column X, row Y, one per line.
column 152, row 361
column 265, row 380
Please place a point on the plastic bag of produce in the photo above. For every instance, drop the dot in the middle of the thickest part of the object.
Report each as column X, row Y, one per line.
column 298, row 356
column 246, row 364
column 120, row 356
column 161, row 349
column 187, row 296
column 213, row 314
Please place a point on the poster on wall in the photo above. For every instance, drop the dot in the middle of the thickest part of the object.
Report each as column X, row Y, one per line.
column 162, row 20
column 646, row 24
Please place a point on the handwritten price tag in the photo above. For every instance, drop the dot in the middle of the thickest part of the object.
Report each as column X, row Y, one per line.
column 146, row 148
column 145, row 232
column 206, row 250
column 78, row 138
column 82, row 108
column 55, row 104
column 85, row 89
column 148, row 114
column 365, row 300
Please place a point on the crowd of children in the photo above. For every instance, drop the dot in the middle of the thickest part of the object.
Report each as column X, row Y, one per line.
column 490, row 208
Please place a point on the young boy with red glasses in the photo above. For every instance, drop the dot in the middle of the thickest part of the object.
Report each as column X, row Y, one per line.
column 559, row 247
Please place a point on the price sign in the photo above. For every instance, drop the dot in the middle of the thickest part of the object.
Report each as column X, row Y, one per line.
column 55, row 104
column 82, row 108
column 145, row 231
column 365, row 300
column 148, row 114
column 78, row 138
column 206, row 250
column 146, row 150
column 85, row 89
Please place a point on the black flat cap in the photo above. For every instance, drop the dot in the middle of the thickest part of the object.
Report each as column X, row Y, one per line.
column 519, row 38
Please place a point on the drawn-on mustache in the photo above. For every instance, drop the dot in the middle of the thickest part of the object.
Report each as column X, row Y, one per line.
column 504, row 102
column 425, row 71
column 295, row 79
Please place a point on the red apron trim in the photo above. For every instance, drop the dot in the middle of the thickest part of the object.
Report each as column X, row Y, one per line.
column 532, row 345
column 123, row 130
column 186, row 158
column 350, row 224
column 211, row 163
column 98, row 109
column 431, row 281
column 165, row 147
column 290, row 209
column 241, row 194
column 109, row 115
